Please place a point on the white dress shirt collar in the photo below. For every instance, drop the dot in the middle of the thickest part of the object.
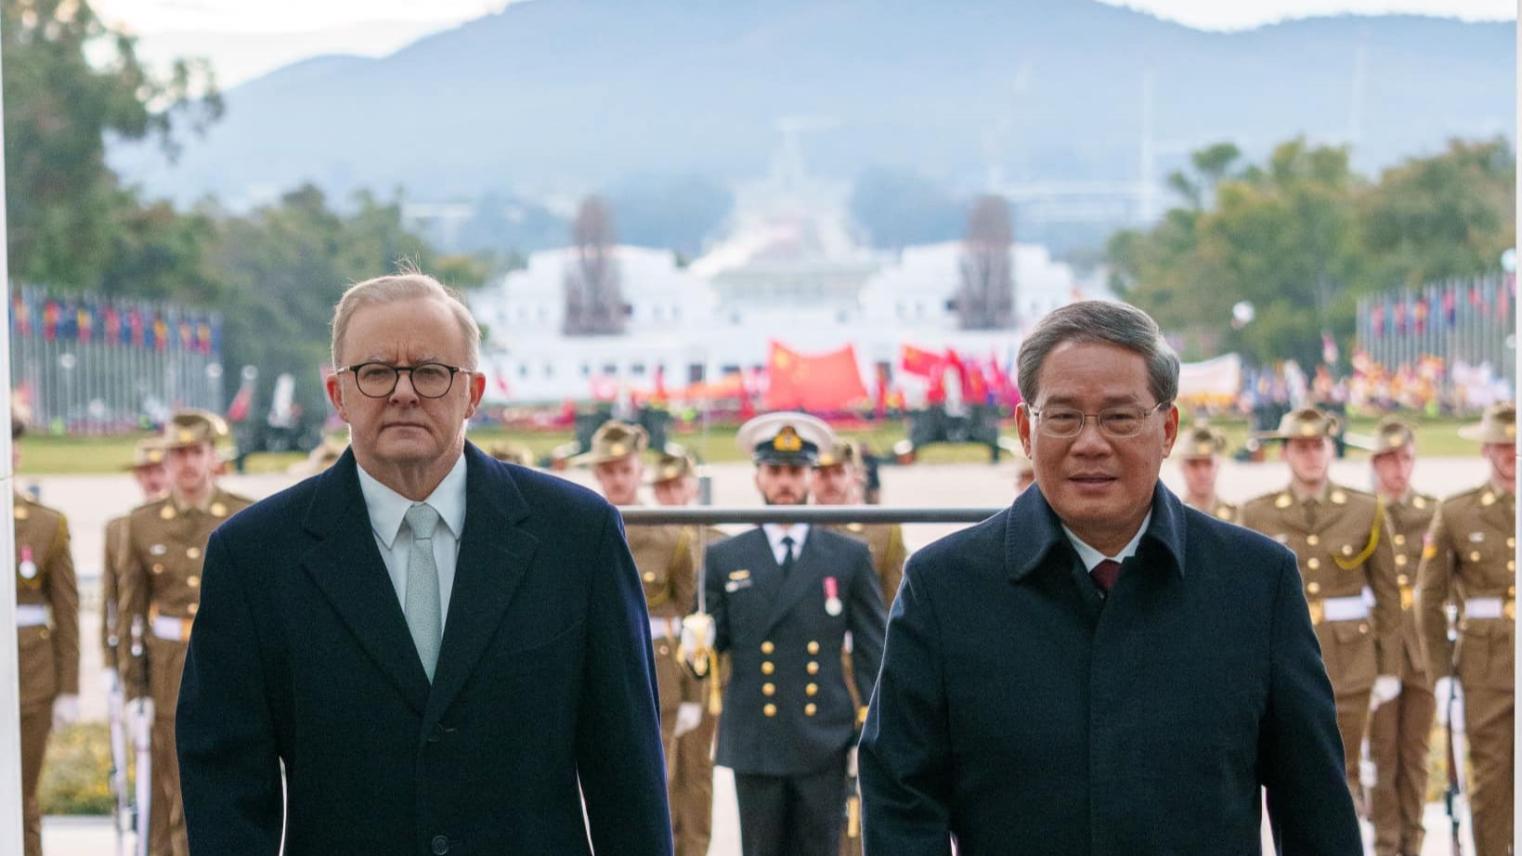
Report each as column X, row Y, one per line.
column 1092, row 557
column 775, row 532
column 388, row 508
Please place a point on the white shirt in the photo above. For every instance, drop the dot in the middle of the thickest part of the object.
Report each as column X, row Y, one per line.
column 1092, row 557
column 388, row 511
column 775, row 532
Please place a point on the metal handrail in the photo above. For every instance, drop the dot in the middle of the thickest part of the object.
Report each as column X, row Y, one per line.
column 823, row 514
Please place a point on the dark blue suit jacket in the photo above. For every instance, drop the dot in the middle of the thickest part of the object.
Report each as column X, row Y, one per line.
column 300, row 655
column 1022, row 714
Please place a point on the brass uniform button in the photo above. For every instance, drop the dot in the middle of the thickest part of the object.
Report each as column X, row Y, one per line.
column 44, row 633
column 810, row 709
column 1313, row 563
column 1400, row 540
column 1313, row 588
column 1313, row 539
column 769, row 709
column 767, row 667
column 22, row 513
column 768, row 689
column 158, row 568
column 648, row 576
column 813, row 647
column 195, row 582
column 811, row 690
column 663, row 650
column 813, row 668
column 1400, row 560
column 167, row 512
column 218, row 509
column 1347, row 549
column 1511, row 543
column 1474, row 556
column 1403, row 580
column 193, row 552
column 193, row 608
column 767, row 647
column 1511, row 564
column 1363, row 627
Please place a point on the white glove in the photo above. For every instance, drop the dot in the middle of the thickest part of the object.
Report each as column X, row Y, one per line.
column 111, row 681
column 1386, row 689
column 1440, row 692
column 65, row 711
column 142, row 709
column 688, row 715
column 697, row 635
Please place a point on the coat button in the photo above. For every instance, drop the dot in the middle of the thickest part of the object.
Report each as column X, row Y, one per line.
column 813, row 668
column 1401, row 560
column 810, row 709
column 649, row 576
column 811, row 690
column 193, row 552
column 1312, row 539
column 768, row 689
column 193, row 581
column 1403, row 580
column 767, row 647
column 813, row 647
column 769, row 710
column 767, row 667
column 1474, row 556
column 1313, row 563
column 439, row 845
column 1400, row 540
column 193, row 608
column 1313, row 588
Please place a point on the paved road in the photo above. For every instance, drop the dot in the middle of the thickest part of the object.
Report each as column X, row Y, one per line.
column 90, row 500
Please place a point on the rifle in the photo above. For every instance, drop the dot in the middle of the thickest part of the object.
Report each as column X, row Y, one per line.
column 142, row 743
column 122, row 819
column 1451, row 793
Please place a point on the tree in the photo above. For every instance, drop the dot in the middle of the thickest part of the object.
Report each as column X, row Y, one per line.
column 986, row 299
column 1446, row 216
column 594, row 302
column 282, row 268
column 68, row 82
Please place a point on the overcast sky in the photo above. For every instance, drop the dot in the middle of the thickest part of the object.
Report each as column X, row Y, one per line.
column 378, row 27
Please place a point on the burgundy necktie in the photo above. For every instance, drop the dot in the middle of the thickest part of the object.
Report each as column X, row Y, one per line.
column 1104, row 575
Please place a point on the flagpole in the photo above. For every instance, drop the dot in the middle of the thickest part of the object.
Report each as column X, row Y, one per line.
column 10, row 672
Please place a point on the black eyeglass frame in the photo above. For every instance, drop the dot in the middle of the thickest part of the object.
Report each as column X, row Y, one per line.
column 396, row 377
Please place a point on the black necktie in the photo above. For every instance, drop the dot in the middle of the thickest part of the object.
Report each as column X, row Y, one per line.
column 787, row 558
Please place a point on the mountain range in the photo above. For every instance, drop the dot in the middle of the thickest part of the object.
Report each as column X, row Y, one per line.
column 561, row 96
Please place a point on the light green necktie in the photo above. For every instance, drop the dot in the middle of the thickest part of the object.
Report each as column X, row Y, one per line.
column 421, row 604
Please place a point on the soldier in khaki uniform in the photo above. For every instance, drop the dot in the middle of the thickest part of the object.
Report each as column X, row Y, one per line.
column 1341, row 538
column 1400, row 730
column 674, row 482
column 160, row 579
column 47, row 641
column 148, row 471
column 667, row 561
column 836, row 480
column 152, row 479
column 1468, row 559
column 1199, row 453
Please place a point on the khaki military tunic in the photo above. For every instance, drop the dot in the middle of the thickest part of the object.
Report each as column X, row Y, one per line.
column 1342, row 543
column 47, row 637
column 1401, row 730
column 110, row 598
column 159, row 591
column 666, row 557
column 1218, row 509
column 1468, row 560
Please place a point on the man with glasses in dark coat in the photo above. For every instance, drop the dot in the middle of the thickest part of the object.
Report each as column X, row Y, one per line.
column 1099, row 670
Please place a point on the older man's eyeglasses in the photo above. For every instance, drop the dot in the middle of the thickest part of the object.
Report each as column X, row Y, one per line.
column 429, row 380
column 1116, row 422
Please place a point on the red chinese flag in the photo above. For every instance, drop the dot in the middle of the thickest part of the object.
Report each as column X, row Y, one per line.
column 825, row 382
column 918, row 361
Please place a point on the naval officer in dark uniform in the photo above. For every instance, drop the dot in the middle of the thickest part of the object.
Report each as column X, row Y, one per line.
column 782, row 599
